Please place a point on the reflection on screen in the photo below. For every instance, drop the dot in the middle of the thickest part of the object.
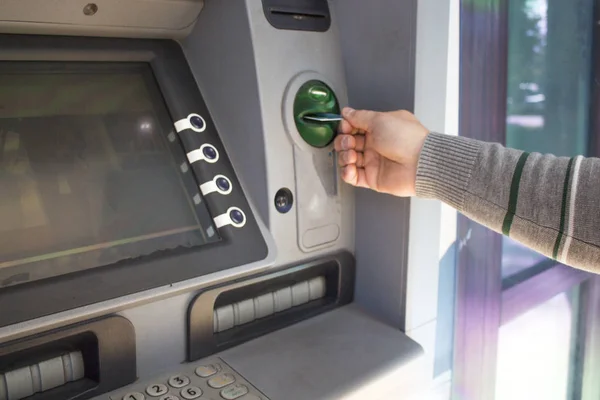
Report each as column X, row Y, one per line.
column 87, row 176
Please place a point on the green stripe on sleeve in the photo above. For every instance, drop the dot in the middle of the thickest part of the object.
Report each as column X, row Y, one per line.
column 563, row 210
column 514, row 194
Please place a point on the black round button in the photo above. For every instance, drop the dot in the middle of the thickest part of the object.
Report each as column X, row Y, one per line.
column 223, row 184
column 284, row 200
column 197, row 122
column 236, row 216
column 209, row 152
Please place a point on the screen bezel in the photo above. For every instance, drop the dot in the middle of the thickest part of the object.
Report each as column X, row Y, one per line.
column 181, row 95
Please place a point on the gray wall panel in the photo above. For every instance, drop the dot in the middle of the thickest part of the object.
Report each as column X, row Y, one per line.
column 378, row 43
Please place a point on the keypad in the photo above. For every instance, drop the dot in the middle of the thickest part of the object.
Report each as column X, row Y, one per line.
column 210, row 379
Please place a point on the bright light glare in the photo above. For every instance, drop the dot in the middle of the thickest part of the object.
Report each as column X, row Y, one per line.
column 534, row 353
column 145, row 126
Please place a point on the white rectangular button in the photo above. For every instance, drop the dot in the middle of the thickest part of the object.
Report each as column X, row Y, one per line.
column 282, row 299
column 317, row 288
column 77, row 365
column 19, row 383
column 300, row 293
column 243, row 311
column 52, row 373
column 263, row 305
column 225, row 318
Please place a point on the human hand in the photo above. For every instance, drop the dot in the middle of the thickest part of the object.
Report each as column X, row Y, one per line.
column 380, row 150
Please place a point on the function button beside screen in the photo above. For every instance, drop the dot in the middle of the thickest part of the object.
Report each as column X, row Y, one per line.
column 191, row 392
column 234, row 392
column 134, row 396
column 221, row 381
column 234, row 216
column 197, row 123
column 194, row 122
column 210, row 152
column 223, row 183
column 179, row 381
column 157, row 389
column 207, row 152
column 204, row 371
column 220, row 184
column 237, row 216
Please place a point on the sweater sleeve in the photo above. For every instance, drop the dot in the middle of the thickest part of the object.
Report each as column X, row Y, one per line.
column 550, row 204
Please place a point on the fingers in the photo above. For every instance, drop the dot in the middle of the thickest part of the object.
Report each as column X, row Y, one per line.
column 350, row 145
column 349, row 142
column 354, row 176
column 351, row 157
column 357, row 119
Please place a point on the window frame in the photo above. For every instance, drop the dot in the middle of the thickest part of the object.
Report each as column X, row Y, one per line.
column 484, row 300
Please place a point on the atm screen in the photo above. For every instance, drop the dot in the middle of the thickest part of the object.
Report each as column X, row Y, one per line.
column 91, row 171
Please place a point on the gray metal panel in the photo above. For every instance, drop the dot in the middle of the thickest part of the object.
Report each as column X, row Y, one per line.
column 221, row 56
column 341, row 354
column 378, row 43
column 245, row 69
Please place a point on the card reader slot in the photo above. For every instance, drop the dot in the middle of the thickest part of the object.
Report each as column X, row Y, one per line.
column 297, row 12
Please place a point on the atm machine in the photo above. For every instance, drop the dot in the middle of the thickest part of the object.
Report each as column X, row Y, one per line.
column 171, row 225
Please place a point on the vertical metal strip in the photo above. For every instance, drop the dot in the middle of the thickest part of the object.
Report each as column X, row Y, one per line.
column 483, row 83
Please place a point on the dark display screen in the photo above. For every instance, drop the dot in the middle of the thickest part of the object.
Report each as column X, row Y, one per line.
column 91, row 171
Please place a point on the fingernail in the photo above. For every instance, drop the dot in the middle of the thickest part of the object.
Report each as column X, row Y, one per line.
column 345, row 142
column 347, row 111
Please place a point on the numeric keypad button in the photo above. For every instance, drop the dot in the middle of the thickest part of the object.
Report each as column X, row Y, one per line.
column 134, row 396
column 191, row 392
column 169, row 397
column 179, row 381
column 157, row 389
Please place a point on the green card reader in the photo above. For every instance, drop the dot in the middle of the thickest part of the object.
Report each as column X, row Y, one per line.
column 316, row 113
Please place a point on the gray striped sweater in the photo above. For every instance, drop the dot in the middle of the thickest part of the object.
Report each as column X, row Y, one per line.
column 550, row 204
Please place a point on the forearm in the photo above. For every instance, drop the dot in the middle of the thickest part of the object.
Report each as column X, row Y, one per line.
column 548, row 203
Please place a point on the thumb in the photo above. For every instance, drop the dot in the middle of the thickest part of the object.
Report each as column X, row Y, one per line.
column 360, row 119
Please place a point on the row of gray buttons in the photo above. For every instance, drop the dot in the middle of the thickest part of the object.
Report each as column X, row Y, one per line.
column 248, row 310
